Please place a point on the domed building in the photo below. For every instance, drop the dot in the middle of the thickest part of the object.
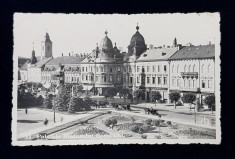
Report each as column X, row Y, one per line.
column 137, row 41
column 103, row 68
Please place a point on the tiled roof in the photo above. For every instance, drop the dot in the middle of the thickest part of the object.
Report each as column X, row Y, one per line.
column 195, row 52
column 42, row 62
column 65, row 60
column 157, row 54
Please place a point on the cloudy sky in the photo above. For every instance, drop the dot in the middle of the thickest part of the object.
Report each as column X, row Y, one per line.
column 79, row 33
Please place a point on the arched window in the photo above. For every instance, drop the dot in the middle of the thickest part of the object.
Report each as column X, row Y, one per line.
column 184, row 68
column 193, row 68
column 173, row 68
column 208, row 69
column 202, row 68
column 189, row 68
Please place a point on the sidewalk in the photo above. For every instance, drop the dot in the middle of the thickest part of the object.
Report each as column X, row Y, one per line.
column 32, row 123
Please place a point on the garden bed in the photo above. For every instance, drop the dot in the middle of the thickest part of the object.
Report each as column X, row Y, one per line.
column 117, row 125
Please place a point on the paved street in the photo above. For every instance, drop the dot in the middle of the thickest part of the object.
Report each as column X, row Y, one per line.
column 181, row 114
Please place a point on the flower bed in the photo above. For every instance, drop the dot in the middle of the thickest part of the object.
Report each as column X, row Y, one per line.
column 193, row 133
column 91, row 130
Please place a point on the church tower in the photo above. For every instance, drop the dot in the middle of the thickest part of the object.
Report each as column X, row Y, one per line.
column 175, row 43
column 47, row 47
column 33, row 58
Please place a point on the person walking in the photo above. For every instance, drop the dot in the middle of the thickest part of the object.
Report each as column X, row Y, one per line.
column 45, row 122
column 26, row 111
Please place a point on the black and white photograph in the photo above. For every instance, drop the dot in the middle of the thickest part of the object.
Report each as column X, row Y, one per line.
column 87, row 79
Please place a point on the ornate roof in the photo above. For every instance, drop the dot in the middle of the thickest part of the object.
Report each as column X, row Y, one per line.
column 106, row 44
column 137, row 40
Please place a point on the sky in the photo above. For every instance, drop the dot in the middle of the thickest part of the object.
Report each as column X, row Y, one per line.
column 79, row 33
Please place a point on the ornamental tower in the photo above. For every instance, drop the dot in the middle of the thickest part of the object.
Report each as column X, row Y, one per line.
column 47, row 47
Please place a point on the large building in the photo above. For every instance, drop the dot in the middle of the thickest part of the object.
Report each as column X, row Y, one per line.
column 103, row 68
column 192, row 70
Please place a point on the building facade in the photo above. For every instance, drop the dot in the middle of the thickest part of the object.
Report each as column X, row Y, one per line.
column 192, row 70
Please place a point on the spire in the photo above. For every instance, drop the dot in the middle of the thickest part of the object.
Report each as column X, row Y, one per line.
column 106, row 32
column 175, row 42
column 33, row 45
column 137, row 27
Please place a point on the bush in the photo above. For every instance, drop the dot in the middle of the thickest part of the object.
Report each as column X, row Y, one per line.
column 135, row 128
column 168, row 122
column 145, row 128
column 148, row 121
column 144, row 136
column 155, row 123
column 39, row 100
column 110, row 122
column 107, row 122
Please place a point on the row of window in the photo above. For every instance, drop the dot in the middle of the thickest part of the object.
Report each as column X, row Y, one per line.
column 103, row 78
column 189, row 68
column 100, row 68
column 188, row 83
column 148, row 69
column 153, row 80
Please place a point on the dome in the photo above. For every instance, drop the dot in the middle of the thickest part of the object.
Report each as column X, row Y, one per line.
column 106, row 43
column 137, row 40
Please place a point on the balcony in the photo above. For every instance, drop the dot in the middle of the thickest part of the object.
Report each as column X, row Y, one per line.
column 189, row 74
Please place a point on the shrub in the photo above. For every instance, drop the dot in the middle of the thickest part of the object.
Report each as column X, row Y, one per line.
column 110, row 122
column 168, row 122
column 107, row 122
column 155, row 123
column 163, row 125
column 145, row 128
column 189, row 98
column 135, row 128
column 148, row 121
column 144, row 136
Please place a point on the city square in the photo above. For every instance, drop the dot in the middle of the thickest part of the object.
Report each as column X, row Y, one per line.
column 116, row 93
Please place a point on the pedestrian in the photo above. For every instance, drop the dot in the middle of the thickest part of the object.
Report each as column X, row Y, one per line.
column 45, row 122
column 96, row 105
column 61, row 119
column 26, row 111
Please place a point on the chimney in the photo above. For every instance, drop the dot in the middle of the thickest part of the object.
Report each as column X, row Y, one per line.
column 62, row 54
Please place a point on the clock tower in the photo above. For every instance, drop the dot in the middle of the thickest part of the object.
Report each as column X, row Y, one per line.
column 47, row 47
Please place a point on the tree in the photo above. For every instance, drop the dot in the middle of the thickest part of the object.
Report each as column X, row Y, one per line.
column 111, row 92
column 124, row 92
column 72, row 105
column 210, row 101
column 189, row 98
column 87, row 102
column 138, row 94
column 48, row 102
column 63, row 97
column 155, row 95
column 174, row 96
